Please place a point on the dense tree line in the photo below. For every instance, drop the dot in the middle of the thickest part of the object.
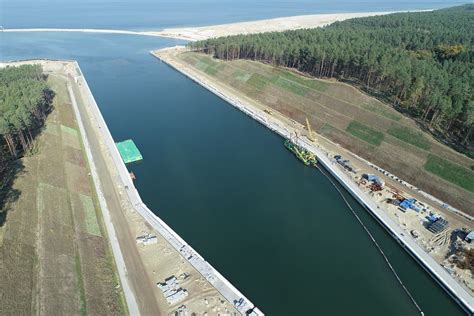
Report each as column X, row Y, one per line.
column 24, row 103
column 423, row 62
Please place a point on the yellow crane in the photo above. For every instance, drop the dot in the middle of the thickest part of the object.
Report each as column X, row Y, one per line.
column 310, row 134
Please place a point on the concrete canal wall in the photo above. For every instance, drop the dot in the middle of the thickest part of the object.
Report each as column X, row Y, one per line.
column 440, row 275
column 230, row 292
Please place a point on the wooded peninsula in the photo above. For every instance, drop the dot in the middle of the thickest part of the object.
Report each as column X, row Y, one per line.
column 421, row 63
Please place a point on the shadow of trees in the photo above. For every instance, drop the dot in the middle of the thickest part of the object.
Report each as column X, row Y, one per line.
column 9, row 195
column 13, row 168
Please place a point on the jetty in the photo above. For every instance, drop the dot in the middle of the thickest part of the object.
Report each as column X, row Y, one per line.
column 129, row 151
column 439, row 274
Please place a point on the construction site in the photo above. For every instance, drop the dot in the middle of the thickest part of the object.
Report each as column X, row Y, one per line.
column 346, row 116
column 443, row 235
column 446, row 237
column 437, row 235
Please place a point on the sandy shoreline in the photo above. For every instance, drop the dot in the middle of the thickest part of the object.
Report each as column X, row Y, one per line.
column 260, row 26
column 211, row 31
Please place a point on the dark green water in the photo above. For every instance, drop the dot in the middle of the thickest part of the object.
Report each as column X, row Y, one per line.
column 276, row 229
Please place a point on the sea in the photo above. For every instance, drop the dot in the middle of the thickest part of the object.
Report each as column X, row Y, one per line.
column 278, row 230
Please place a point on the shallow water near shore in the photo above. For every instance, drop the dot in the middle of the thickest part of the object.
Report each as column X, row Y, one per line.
column 276, row 229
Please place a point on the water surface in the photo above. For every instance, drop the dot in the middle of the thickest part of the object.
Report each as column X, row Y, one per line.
column 158, row 14
column 275, row 228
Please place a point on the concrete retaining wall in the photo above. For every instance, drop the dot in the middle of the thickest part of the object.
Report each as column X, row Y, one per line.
column 440, row 275
column 225, row 288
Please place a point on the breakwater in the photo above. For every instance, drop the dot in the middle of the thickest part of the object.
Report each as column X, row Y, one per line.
column 439, row 274
column 106, row 31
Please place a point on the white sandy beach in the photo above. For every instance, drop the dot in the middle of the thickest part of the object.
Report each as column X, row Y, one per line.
column 260, row 26
column 205, row 32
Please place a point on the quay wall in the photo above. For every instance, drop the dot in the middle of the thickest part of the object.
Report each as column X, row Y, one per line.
column 439, row 274
column 225, row 288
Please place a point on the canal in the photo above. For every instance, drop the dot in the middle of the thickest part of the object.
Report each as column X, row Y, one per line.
column 276, row 229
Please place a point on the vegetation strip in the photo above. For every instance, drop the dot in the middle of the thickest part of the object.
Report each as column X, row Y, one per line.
column 414, row 138
column 365, row 133
column 92, row 225
column 451, row 172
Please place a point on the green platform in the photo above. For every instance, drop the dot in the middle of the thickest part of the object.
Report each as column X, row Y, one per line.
column 129, row 151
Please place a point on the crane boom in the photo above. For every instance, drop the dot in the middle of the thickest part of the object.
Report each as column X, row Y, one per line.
column 310, row 132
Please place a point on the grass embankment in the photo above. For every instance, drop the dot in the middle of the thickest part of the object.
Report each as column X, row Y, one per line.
column 365, row 133
column 54, row 259
column 450, row 171
column 353, row 119
column 411, row 137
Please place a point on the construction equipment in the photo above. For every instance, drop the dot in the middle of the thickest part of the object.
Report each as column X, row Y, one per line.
column 310, row 135
column 302, row 154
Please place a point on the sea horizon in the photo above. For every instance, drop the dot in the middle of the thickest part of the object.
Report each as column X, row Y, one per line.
column 147, row 15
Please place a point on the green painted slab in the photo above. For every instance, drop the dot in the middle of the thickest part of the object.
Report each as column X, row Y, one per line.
column 129, row 151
